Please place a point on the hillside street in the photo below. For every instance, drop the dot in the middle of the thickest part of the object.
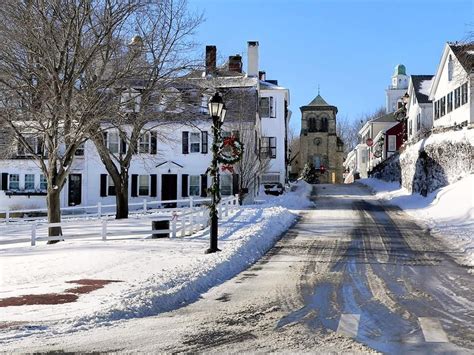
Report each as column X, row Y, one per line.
column 350, row 269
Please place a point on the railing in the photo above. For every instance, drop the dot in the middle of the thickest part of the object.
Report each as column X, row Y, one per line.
column 99, row 210
column 182, row 222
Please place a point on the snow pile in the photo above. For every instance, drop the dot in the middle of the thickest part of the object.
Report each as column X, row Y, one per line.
column 425, row 87
column 295, row 198
column 448, row 211
column 157, row 275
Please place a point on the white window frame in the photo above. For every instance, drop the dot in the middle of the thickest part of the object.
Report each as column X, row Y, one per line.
column 32, row 141
column 268, row 110
column 194, row 188
column 196, row 135
column 113, row 142
column 130, row 98
column 144, row 143
column 142, row 178
column 392, row 143
column 43, row 183
column 29, row 182
column 15, row 181
column 269, row 150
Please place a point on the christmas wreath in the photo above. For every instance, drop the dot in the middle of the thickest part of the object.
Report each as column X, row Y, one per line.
column 230, row 151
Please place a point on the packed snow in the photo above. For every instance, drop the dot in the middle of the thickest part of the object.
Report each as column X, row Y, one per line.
column 156, row 275
column 448, row 211
column 425, row 87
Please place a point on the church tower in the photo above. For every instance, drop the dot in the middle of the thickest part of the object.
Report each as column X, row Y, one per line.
column 397, row 89
column 319, row 143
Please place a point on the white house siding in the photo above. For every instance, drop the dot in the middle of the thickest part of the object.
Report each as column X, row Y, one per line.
column 444, row 86
column 276, row 127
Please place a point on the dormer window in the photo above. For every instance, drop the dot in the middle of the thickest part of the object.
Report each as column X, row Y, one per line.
column 130, row 101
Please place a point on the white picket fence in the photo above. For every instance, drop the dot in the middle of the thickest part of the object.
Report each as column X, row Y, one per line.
column 182, row 222
column 100, row 210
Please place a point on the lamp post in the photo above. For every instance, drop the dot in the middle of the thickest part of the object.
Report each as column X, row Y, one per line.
column 217, row 113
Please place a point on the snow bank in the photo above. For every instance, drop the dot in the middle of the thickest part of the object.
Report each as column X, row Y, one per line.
column 297, row 198
column 448, row 211
column 157, row 275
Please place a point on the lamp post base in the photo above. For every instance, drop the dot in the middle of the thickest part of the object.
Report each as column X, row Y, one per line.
column 211, row 250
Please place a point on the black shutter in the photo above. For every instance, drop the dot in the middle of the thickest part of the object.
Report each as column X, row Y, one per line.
column 4, row 181
column 235, row 184
column 184, row 185
column 203, row 185
column 39, row 146
column 153, row 142
column 123, row 145
column 104, row 137
column 185, row 142
column 153, row 181
column 103, row 185
column 204, row 142
column 134, row 185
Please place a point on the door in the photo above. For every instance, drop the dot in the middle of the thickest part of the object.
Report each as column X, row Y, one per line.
column 169, row 189
column 75, row 189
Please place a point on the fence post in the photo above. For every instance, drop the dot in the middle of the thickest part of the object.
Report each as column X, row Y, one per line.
column 191, row 202
column 99, row 209
column 220, row 209
column 191, row 222
column 173, row 228
column 104, row 229
column 144, row 205
column 183, row 225
column 7, row 215
column 33, row 234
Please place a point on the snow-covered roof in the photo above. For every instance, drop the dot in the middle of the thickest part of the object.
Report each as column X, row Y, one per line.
column 422, row 87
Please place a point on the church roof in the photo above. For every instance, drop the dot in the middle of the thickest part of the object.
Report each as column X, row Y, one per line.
column 318, row 101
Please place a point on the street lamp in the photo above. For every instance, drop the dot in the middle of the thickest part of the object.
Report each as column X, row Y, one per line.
column 217, row 112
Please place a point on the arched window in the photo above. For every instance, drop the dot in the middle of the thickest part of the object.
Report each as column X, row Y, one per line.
column 311, row 124
column 324, row 124
column 318, row 124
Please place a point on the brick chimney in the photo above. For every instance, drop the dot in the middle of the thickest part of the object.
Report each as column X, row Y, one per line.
column 211, row 59
column 235, row 63
column 252, row 54
column 262, row 75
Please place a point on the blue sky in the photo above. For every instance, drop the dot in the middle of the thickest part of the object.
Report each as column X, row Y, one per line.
column 347, row 47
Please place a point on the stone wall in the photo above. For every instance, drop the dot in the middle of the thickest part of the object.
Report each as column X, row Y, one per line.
column 431, row 163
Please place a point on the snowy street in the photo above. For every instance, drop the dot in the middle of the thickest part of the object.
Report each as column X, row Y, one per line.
column 351, row 273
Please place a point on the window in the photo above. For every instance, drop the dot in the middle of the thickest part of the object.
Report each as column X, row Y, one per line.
column 464, row 94
column 442, row 106
column 267, row 107
column 33, row 142
column 130, row 101
column 317, row 161
column 436, row 110
column 29, row 181
column 270, row 178
column 110, row 186
column 410, row 128
column 143, row 185
column 13, row 182
column 195, row 142
column 449, row 106
column 226, row 184
column 418, row 122
column 392, row 143
column 43, row 182
column 113, row 142
column 80, row 150
column 144, row 144
column 194, row 185
column 450, row 68
column 413, row 98
column 268, row 149
column 457, row 98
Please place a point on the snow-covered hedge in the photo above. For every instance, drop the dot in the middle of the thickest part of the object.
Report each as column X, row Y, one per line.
column 431, row 163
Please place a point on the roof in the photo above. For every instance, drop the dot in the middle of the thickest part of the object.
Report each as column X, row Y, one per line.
column 389, row 117
column 318, row 104
column 318, row 101
column 400, row 70
column 422, row 85
column 465, row 54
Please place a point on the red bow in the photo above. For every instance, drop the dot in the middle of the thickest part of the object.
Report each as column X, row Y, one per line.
column 228, row 167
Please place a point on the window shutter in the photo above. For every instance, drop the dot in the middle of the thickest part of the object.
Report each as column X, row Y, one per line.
column 203, row 185
column 104, row 137
column 103, row 185
column 39, row 146
column 184, row 185
column 204, row 142
column 272, row 107
column 123, row 145
column 134, row 185
column 153, row 142
column 153, row 181
column 235, row 184
column 185, row 142
column 4, row 181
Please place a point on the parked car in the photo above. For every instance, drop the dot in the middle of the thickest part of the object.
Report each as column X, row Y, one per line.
column 275, row 189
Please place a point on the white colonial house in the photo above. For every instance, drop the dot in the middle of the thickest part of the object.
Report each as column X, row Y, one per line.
column 419, row 107
column 171, row 160
column 452, row 88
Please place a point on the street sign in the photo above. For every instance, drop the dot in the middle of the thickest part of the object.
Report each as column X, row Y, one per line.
column 369, row 142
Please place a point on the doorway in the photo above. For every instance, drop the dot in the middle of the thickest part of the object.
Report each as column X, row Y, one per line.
column 169, row 189
column 75, row 189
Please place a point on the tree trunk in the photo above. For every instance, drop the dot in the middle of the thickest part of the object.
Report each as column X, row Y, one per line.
column 54, row 213
column 121, row 198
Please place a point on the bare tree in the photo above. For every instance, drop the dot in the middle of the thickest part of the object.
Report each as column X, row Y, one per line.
column 148, row 101
column 55, row 74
